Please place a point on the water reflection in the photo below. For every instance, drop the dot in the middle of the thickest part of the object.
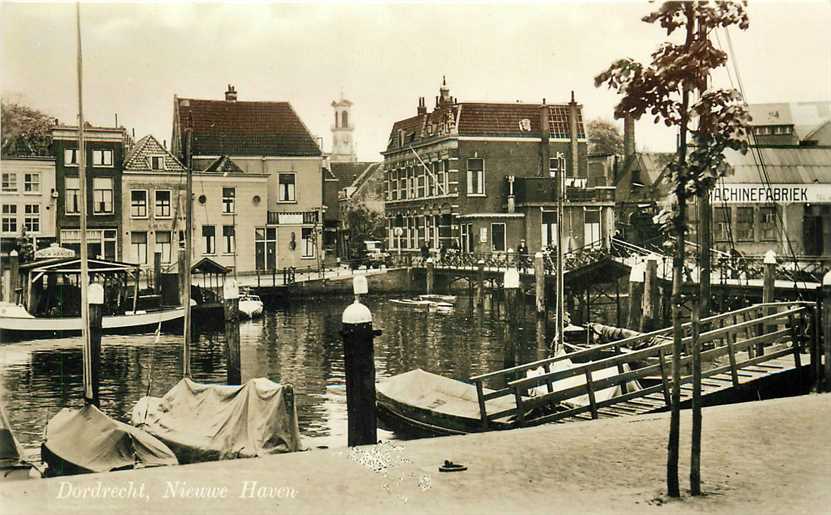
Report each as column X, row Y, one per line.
column 297, row 343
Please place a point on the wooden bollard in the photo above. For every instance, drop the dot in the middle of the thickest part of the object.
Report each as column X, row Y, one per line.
column 539, row 276
column 230, row 294
column 182, row 261
column 768, row 287
column 636, row 278
column 95, row 298
column 359, row 358
column 649, row 319
column 480, row 282
column 826, row 330
column 14, row 277
column 430, row 275
column 510, row 281
column 157, row 272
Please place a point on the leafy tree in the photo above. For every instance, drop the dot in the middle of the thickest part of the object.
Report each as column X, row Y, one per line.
column 25, row 131
column 663, row 89
column 604, row 137
column 364, row 224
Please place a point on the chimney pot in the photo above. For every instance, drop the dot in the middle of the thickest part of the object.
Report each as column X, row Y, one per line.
column 231, row 94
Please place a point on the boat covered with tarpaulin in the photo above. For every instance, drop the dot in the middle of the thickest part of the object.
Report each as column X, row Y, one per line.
column 208, row 422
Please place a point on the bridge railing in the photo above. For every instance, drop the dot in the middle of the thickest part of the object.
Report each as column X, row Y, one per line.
column 761, row 326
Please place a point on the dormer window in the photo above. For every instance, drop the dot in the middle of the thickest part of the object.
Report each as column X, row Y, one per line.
column 156, row 162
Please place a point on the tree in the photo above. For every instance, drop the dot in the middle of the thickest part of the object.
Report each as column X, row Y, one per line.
column 364, row 224
column 26, row 131
column 604, row 137
column 662, row 89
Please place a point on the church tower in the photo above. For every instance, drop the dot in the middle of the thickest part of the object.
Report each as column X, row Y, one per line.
column 343, row 144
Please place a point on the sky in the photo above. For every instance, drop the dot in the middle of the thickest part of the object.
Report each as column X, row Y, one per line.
column 382, row 56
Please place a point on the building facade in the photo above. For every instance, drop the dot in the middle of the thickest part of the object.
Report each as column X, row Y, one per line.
column 481, row 177
column 105, row 150
column 27, row 201
column 262, row 140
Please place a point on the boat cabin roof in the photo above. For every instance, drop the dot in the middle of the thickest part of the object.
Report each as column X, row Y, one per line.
column 208, row 266
column 73, row 266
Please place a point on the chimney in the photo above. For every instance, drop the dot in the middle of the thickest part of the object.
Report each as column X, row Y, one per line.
column 628, row 136
column 422, row 106
column 231, row 94
column 164, row 144
column 574, row 165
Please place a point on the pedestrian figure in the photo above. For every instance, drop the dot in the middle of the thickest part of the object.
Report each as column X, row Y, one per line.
column 522, row 251
column 425, row 251
column 442, row 252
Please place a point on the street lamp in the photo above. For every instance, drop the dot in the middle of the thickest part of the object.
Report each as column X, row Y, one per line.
column 398, row 231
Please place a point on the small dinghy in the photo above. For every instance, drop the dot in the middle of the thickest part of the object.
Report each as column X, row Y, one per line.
column 438, row 298
column 207, row 422
column 85, row 440
column 423, row 304
column 250, row 305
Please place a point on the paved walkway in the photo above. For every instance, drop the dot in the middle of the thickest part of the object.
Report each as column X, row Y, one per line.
column 760, row 457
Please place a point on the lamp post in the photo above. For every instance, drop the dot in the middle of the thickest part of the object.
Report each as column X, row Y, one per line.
column 398, row 231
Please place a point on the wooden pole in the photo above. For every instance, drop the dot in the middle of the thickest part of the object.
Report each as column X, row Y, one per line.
column 188, row 253
column 636, row 288
column 826, row 329
column 157, row 272
column 136, row 274
column 480, row 282
column 359, row 358
column 539, row 276
column 96, row 327
column 695, row 459
column 768, row 289
column 182, row 260
column 14, row 278
column 430, row 275
column 230, row 293
column 649, row 319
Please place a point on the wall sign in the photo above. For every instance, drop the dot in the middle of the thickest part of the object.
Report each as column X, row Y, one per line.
column 764, row 194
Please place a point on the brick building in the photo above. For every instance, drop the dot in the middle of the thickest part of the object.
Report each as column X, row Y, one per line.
column 482, row 175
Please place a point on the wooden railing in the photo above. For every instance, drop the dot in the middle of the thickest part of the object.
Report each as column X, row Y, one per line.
column 719, row 334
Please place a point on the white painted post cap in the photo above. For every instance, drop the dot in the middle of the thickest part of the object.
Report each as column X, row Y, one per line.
column 356, row 313
column 95, row 294
column 636, row 275
column 652, row 257
column 770, row 257
column 538, row 255
column 826, row 279
column 359, row 285
column 429, row 260
column 511, row 278
column 230, row 290
column 13, row 253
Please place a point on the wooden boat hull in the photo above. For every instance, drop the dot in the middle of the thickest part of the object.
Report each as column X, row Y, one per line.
column 11, row 327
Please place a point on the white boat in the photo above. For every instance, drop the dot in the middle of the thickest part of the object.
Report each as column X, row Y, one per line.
column 438, row 298
column 250, row 305
column 424, row 304
column 15, row 319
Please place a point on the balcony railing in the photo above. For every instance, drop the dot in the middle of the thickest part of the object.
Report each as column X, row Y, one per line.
column 293, row 217
column 542, row 189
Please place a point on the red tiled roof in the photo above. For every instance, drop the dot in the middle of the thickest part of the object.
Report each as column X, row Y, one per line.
column 487, row 119
column 245, row 128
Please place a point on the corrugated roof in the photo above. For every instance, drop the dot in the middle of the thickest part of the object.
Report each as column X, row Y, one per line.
column 801, row 165
column 245, row 128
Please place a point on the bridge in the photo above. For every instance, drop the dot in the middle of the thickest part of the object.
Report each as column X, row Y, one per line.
column 743, row 353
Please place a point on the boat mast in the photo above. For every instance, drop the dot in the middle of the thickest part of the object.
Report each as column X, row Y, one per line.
column 188, row 252
column 82, row 179
column 560, row 289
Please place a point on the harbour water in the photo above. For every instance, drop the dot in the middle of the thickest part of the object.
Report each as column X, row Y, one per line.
column 296, row 342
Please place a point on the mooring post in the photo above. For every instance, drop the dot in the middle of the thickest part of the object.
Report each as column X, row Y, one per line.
column 430, row 275
column 510, row 282
column 359, row 358
column 157, row 272
column 650, row 296
column 230, row 294
column 182, row 261
column 826, row 329
column 14, row 277
column 95, row 298
column 636, row 278
column 767, row 294
column 480, row 282
column 539, row 276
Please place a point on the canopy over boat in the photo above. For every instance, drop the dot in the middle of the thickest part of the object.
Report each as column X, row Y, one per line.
column 203, row 422
column 87, row 440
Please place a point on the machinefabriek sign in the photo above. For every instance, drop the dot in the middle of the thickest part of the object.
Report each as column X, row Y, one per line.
column 765, row 194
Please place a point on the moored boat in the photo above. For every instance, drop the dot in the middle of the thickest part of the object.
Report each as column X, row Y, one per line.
column 423, row 304
column 12, row 464
column 250, row 305
column 438, row 298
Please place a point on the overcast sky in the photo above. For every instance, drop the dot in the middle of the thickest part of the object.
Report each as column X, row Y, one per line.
column 382, row 55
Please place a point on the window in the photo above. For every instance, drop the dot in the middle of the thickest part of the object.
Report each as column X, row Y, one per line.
column 744, row 224
column 498, row 237
column 102, row 158
column 31, row 217
column 286, row 191
column 591, row 226
column 156, row 162
column 721, row 219
column 163, row 240
column 441, row 179
column 138, row 204
column 228, row 239
column 308, row 241
column 557, row 164
column 475, row 177
column 421, row 181
column 102, row 195
column 162, row 209
column 138, row 246
column 209, row 239
column 31, row 182
column 100, row 243
column 70, row 157
column 228, row 195
column 9, row 182
column 72, row 203
column 767, row 223
column 265, row 244
column 549, row 229
column 9, row 218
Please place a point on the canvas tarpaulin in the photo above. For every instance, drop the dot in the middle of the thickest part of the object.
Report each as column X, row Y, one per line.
column 87, row 440
column 9, row 448
column 202, row 422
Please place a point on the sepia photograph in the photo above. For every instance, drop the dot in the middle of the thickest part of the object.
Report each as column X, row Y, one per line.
column 383, row 256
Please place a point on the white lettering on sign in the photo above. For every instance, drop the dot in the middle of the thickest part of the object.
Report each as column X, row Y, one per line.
column 764, row 194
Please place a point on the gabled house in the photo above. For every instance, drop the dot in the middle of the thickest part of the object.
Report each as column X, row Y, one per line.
column 261, row 139
column 791, row 123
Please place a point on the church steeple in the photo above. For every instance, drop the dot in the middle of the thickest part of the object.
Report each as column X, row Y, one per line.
column 343, row 145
